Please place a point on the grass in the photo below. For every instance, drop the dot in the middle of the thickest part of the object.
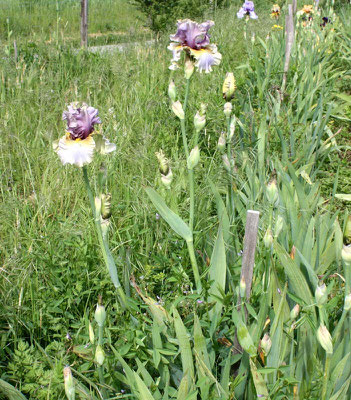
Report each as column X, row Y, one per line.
column 51, row 267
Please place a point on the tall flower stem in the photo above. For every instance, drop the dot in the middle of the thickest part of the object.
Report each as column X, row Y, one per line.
column 100, row 368
column 190, row 244
column 106, row 253
column 326, row 376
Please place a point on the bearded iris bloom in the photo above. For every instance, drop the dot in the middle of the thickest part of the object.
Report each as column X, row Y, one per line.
column 193, row 38
column 80, row 142
column 248, row 10
column 275, row 12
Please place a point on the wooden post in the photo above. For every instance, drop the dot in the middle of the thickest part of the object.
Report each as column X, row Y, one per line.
column 84, row 24
column 250, row 241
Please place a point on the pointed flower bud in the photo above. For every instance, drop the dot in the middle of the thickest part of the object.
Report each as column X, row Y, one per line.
column 106, row 206
column 268, row 238
column 325, row 339
column 177, row 108
column 272, row 192
column 163, row 162
column 221, row 142
column 172, row 91
column 346, row 255
column 347, row 304
column 266, row 344
column 91, row 334
column 227, row 109
column 99, row 355
column 321, row 295
column 194, row 158
column 242, row 288
column 295, row 311
column 100, row 314
column 188, row 68
column 226, row 163
column 167, row 179
column 69, row 383
column 199, row 121
column 203, row 108
column 229, row 86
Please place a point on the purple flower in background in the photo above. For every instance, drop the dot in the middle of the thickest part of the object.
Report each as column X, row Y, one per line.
column 194, row 39
column 248, row 10
column 81, row 120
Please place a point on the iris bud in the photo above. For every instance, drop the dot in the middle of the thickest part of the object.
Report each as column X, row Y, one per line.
column 194, row 158
column 177, row 108
column 99, row 355
column 325, row 339
column 266, row 344
column 100, row 314
column 199, row 121
column 69, row 383
column 228, row 109
column 272, row 192
column 321, row 295
column 268, row 238
column 106, row 206
column 229, row 86
column 188, row 68
column 221, row 142
column 295, row 311
column 172, row 91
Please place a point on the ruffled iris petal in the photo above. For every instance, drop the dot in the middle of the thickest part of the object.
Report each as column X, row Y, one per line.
column 75, row 152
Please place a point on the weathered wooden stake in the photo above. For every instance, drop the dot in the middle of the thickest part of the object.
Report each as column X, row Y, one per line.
column 15, row 51
column 250, row 241
column 84, row 23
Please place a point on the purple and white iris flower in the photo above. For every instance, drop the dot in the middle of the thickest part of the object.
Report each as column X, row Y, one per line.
column 194, row 39
column 78, row 145
column 248, row 10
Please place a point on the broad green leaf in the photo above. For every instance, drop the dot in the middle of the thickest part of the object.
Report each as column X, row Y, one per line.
column 342, row 393
column 217, row 272
column 174, row 221
column 221, row 212
column 296, row 277
column 183, row 389
column 184, row 345
column 142, row 388
column 260, row 385
column 10, row 392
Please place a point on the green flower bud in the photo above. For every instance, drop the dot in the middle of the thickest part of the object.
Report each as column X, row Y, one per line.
column 347, row 304
column 221, row 142
column 325, row 339
column 278, row 226
column 69, row 383
column 188, row 68
column 295, row 311
column 266, row 344
column 194, row 158
column 99, row 355
column 268, row 238
column 100, row 314
column 346, row 255
column 91, row 334
column 227, row 109
column 229, row 86
column 226, row 163
column 172, row 91
column 106, row 206
column 272, row 192
column 167, row 179
column 177, row 108
column 199, row 121
column 242, row 288
column 321, row 295
column 163, row 162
